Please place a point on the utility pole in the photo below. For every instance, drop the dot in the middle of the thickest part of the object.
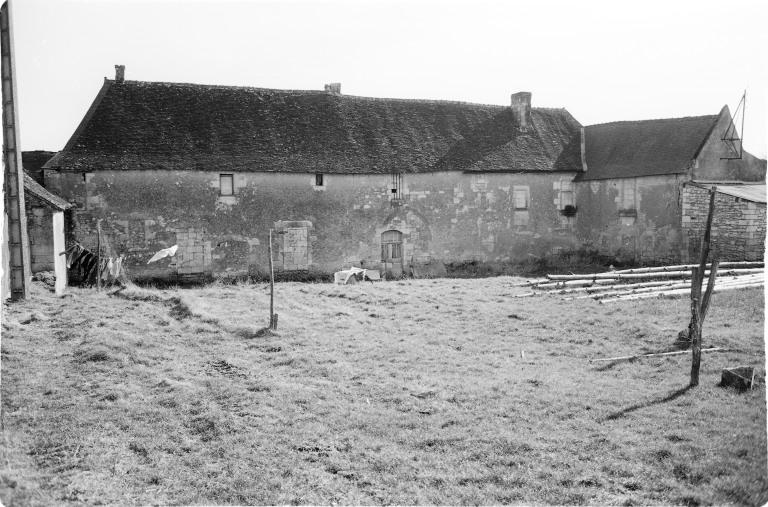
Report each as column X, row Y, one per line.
column 18, row 263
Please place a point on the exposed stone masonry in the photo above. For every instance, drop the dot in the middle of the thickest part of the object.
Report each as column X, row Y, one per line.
column 738, row 225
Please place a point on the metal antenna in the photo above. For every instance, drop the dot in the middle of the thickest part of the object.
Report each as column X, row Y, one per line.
column 731, row 135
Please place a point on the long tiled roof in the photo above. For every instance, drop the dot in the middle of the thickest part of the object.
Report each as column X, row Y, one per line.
column 148, row 125
column 643, row 148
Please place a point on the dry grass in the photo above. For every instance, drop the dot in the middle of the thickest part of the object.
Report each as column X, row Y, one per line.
column 432, row 391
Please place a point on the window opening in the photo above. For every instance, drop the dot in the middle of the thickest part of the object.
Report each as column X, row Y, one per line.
column 226, row 184
column 521, row 198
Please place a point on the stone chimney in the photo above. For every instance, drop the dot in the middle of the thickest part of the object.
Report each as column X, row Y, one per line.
column 521, row 108
column 333, row 88
column 119, row 73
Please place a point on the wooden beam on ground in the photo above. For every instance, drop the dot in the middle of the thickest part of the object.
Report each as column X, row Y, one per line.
column 680, row 292
column 657, row 354
column 685, row 274
column 733, row 264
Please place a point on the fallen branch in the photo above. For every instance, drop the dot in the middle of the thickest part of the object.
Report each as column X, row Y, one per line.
column 655, row 354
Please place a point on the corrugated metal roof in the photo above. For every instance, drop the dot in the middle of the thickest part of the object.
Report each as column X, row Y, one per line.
column 754, row 193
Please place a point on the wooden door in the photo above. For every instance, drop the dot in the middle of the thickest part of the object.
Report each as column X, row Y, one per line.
column 392, row 253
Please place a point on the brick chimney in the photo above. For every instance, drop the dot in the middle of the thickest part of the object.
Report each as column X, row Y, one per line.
column 333, row 88
column 521, row 108
column 119, row 73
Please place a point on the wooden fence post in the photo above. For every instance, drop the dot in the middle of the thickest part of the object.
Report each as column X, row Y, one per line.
column 98, row 255
column 695, row 341
column 271, row 286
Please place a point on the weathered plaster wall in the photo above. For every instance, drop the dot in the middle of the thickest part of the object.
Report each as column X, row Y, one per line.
column 448, row 216
column 712, row 163
column 738, row 226
column 633, row 219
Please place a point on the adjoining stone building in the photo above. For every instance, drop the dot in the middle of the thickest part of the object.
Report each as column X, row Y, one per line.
column 389, row 184
column 638, row 198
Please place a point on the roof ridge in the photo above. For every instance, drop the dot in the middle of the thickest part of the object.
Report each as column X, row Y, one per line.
column 226, row 87
column 297, row 91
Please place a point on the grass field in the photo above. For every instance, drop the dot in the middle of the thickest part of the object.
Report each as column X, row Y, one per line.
column 414, row 392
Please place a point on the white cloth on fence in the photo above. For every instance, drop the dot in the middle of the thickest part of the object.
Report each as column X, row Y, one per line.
column 165, row 252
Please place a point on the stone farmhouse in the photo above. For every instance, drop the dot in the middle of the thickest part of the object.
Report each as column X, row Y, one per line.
column 389, row 184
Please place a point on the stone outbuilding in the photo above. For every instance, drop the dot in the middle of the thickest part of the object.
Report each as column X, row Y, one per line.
column 639, row 197
column 45, row 230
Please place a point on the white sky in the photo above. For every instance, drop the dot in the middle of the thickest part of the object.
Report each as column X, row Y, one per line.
column 602, row 60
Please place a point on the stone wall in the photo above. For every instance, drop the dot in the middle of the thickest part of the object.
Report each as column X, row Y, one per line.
column 448, row 216
column 632, row 219
column 738, row 225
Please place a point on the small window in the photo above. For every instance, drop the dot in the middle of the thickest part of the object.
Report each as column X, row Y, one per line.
column 319, row 180
column 628, row 195
column 226, row 184
column 521, row 198
column 566, row 196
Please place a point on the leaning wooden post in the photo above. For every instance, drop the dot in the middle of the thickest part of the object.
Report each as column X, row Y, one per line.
column 697, row 277
column 271, row 286
column 710, row 288
column 705, row 241
column 98, row 255
column 697, row 308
